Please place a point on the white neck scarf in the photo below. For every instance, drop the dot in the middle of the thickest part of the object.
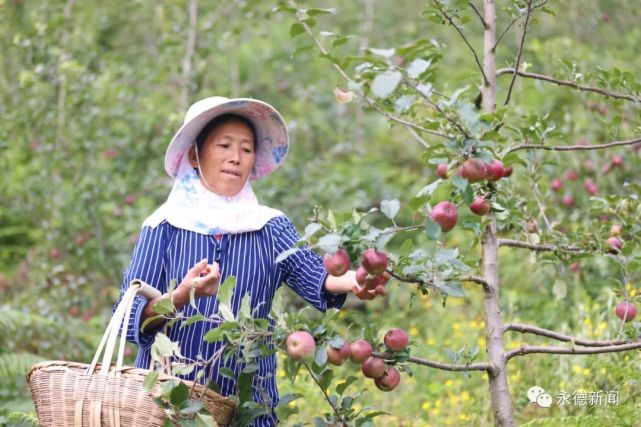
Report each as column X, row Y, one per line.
column 192, row 207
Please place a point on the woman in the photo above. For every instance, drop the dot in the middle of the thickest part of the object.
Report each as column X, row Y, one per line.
column 212, row 227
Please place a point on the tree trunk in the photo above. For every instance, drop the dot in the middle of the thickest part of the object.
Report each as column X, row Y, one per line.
column 497, row 374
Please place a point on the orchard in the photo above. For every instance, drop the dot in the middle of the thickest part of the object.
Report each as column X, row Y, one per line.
column 475, row 163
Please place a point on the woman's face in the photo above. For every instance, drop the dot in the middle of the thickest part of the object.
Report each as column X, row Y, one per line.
column 227, row 158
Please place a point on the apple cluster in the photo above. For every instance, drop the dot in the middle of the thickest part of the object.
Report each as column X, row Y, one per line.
column 301, row 346
column 371, row 275
column 474, row 170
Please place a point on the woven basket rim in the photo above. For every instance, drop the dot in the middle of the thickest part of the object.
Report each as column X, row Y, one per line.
column 133, row 371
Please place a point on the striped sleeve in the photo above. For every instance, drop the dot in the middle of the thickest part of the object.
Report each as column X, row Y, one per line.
column 303, row 271
column 147, row 264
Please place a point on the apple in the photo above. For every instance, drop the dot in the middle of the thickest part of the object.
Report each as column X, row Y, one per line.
column 556, row 184
column 338, row 263
column 480, row 206
column 441, row 170
column 568, row 201
column 615, row 244
column 380, row 290
column 396, row 339
column 615, row 230
column 508, row 171
column 626, row 311
column 300, row 345
column 389, row 381
column 617, row 160
column 360, row 351
column 373, row 367
column 473, row 170
column 367, row 280
column 130, row 199
column 606, row 168
column 444, row 213
column 494, row 171
column 338, row 356
column 374, row 262
column 572, row 175
column 590, row 187
column 575, row 267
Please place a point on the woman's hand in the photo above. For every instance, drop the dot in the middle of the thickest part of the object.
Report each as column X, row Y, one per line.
column 204, row 277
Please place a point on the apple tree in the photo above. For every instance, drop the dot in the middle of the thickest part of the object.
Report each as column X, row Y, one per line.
column 490, row 159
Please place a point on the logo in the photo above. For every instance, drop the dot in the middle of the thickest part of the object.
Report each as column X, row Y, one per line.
column 537, row 395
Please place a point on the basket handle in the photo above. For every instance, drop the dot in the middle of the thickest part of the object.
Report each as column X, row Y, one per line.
column 120, row 317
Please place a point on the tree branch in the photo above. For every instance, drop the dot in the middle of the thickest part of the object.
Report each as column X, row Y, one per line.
column 482, row 366
column 451, row 21
column 573, row 147
column 430, row 283
column 449, row 118
column 542, row 248
column 530, row 329
column 527, row 349
column 583, row 88
column 476, row 279
column 367, row 99
column 520, row 53
column 478, row 13
column 331, row 404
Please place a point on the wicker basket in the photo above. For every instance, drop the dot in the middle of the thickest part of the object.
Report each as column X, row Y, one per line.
column 75, row 395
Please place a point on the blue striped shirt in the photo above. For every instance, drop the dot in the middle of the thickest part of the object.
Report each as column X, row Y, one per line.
column 165, row 252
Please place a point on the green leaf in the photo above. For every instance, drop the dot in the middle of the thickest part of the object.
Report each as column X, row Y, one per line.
column 214, row 335
column 340, row 389
column 150, row 380
column 390, row 208
column 385, row 53
column 417, row 67
column 296, row 29
column 460, row 182
column 330, row 242
column 320, row 356
column 245, row 387
column 226, row 291
column 164, row 306
column 432, row 229
column 164, row 346
column 179, row 394
column 205, row 420
column 385, row 83
column 314, row 12
column 453, row 289
column 192, row 407
column 193, row 319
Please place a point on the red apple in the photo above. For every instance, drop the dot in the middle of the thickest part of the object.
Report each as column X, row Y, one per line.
column 389, row 381
column 367, row 280
column 441, row 170
column 374, row 262
column 338, row 356
column 480, row 206
column 300, row 345
column 444, row 213
column 606, row 168
column 360, row 351
column 338, row 263
column 575, row 267
column 617, row 160
column 568, row 201
column 556, row 184
column 473, row 170
column 590, row 187
column 373, row 367
column 508, row 171
column 626, row 311
column 615, row 230
column 380, row 290
column 495, row 170
column 615, row 244
column 572, row 175
column 396, row 339
column 130, row 199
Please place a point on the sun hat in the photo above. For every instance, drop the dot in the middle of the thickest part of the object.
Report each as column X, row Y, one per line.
column 271, row 142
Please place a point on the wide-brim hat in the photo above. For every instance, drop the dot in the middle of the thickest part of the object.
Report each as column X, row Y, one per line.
column 271, row 143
